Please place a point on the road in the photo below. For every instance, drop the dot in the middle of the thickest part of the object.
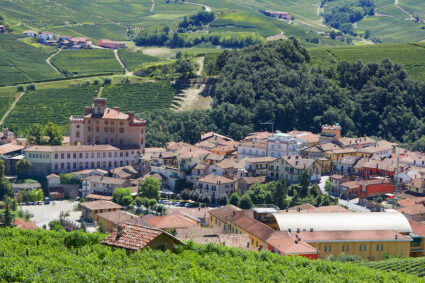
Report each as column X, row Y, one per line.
column 119, row 61
column 50, row 64
column 351, row 204
column 207, row 8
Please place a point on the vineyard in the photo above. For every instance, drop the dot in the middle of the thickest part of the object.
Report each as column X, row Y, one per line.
column 110, row 31
column 87, row 62
column 55, row 105
column 21, row 62
column 134, row 59
column 411, row 56
column 140, row 97
column 415, row 266
column 6, row 99
column 44, row 256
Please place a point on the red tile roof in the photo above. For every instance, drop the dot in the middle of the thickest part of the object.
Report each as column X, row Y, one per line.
column 25, row 225
column 6, row 148
column 170, row 222
column 117, row 217
column 411, row 201
column 251, row 226
column 224, row 213
column 285, row 244
column 417, row 209
column 417, row 228
column 98, row 197
column 135, row 237
column 100, row 204
column 215, row 179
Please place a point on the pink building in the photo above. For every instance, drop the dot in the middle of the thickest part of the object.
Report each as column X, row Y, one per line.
column 110, row 44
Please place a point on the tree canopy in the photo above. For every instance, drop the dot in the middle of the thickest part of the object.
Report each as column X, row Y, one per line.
column 150, row 188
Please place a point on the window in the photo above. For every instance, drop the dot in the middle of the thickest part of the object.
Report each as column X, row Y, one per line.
column 106, row 123
column 106, row 140
column 347, row 248
column 97, row 129
column 89, row 128
column 121, row 154
column 92, row 155
column 121, row 142
column 81, row 155
column 56, row 156
column 142, row 131
column 62, row 156
column 330, row 248
column 104, row 154
column 110, row 154
column 98, row 155
column 74, row 155
column 142, row 140
column 106, row 129
column 360, row 248
column 74, row 165
column 89, row 139
column 342, row 248
column 377, row 248
column 112, row 130
column 87, row 155
column 326, row 248
column 216, row 221
column 382, row 248
column 87, row 165
column 92, row 165
column 56, row 166
column 121, row 130
column 78, row 134
column 112, row 141
column 364, row 248
column 112, row 123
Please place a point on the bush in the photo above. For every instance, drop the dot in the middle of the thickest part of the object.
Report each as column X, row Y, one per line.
column 31, row 87
column 20, row 88
column 71, row 179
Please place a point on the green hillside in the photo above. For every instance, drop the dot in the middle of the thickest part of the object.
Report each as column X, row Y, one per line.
column 414, row 266
column 410, row 55
column 62, row 257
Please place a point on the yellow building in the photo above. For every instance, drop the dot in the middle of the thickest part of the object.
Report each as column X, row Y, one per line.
column 417, row 246
column 370, row 245
column 219, row 217
column 92, row 208
column 340, row 153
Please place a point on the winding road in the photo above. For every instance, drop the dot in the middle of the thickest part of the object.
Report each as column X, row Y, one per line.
column 207, row 8
column 50, row 64
column 119, row 61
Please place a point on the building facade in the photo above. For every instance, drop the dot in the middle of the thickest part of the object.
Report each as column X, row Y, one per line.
column 103, row 125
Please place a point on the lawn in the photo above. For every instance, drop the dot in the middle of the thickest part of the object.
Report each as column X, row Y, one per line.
column 134, row 59
column 140, row 97
column 411, row 56
column 20, row 62
column 54, row 104
column 87, row 62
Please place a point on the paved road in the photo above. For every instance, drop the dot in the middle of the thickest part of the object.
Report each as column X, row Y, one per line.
column 43, row 214
column 351, row 204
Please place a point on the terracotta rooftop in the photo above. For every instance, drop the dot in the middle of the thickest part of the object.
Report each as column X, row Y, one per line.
column 215, row 179
column 336, row 177
column 98, row 197
column 417, row 209
column 285, row 244
column 117, row 217
column 417, row 227
column 135, row 237
column 349, row 236
column 348, row 159
column 25, row 225
column 260, row 159
column 251, row 225
column 214, row 157
column 72, row 148
column 105, row 180
column 385, row 164
column 253, row 180
column 332, row 208
column 329, row 146
column 51, row 176
column 7, row 148
column 356, row 141
column 100, row 204
column 209, row 135
column 227, row 163
column 305, row 136
column 171, row 222
column 197, row 212
column 411, row 201
column 224, row 213
column 298, row 162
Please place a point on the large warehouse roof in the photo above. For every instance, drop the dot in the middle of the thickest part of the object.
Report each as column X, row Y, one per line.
column 343, row 221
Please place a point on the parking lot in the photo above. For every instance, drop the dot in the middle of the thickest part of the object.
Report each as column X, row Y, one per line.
column 45, row 213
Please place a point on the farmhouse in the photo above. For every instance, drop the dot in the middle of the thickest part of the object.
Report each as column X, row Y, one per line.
column 278, row 14
column 110, row 44
column 2, row 28
column 30, row 33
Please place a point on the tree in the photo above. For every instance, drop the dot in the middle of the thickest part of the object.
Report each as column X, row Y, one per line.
column 221, row 199
column 22, row 166
column 119, row 194
column 245, row 202
column 8, row 217
column 367, row 34
column 305, row 181
column 54, row 134
column 145, row 202
column 152, row 203
column 35, row 135
column 127, row 200
column 139, row 201
column 234, row 199
column 5, row 186
column 281, row 194
column 55, row 225
column 150, row 188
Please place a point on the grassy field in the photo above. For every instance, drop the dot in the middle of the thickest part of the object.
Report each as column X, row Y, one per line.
column 20, row 62
column 244, row 22
column 134, row 59
column 87, row 62
column 411, row 56
column 140, row 97
column 53, row 104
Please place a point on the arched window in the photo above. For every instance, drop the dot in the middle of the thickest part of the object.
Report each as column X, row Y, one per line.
column 77, row 134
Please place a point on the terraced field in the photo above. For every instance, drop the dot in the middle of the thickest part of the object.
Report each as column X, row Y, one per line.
column 54, row 104
column 87, row 62
column 21, row 62
column 134, row 59
column 410, row 55
column 140, row 97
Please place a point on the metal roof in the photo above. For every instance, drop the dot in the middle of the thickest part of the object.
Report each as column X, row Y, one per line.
column 346, row 221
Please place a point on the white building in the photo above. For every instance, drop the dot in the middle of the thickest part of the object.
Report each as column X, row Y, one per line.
column 216, row 185
column 46, row 160
column 252, row 149
column 282, row 144
column 102, row 185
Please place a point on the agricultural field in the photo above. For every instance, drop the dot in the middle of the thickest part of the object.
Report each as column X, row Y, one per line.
column 414, row 266
column 134, row 59
column 6, row 99
column 20, row 62
column 53, row 104
column 410, row 55
column 100, row 31
column 45, row 255
column 87, row 62
column 244, row 22
column 141, row 96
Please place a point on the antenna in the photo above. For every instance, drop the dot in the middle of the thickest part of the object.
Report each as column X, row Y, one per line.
column 271, row 122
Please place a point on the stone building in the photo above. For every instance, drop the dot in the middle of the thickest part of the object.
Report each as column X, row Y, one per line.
column 103, row 125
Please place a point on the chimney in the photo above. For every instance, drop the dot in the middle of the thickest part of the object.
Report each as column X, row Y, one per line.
column 120, row 231
column 233, row 213
column 396, row 237
column 131, row 116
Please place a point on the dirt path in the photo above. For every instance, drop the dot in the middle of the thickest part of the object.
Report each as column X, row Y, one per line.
column 404, row 11
column 11, row 107
column 153, row 6
column 99, row 93
column 119, row 61
column 207, row 8
column 50, row 64
column 190, row 99
column 200, row 62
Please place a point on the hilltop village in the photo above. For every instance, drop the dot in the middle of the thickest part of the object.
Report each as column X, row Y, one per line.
column 298, row 193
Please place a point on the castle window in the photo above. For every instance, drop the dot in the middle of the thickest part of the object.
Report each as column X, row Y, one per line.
column 121, row 154
column 62, row 156
column 115, row 154
column 121, row 130
column 89, row 128
column 87, row 155
column 74, row 155
column 121, row 123
column 142, row 131
column 56, row 156
column 110, row 154
column 110, row 164
column 142, row 140
column 87, row 165
column 112, row 130
column 97, row 129
column 106, row 129
column 78, row 134
column 81, row 155
column 106, row 122
column 112, row 123
column 78, row 126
